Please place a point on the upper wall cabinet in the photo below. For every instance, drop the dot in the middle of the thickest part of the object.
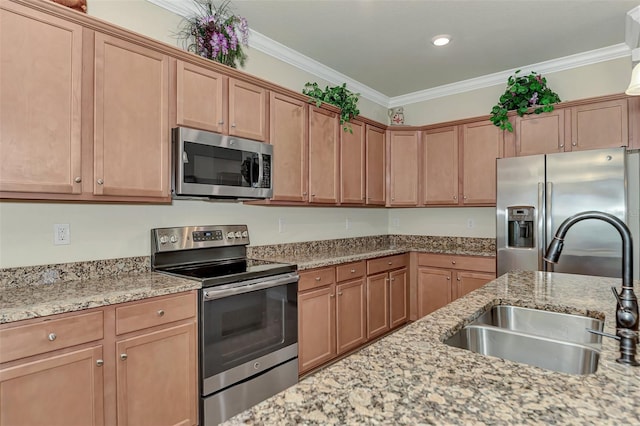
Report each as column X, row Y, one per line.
column 440, row 166
column 324, row 156
column 352, row 164
column 539, row 133
column 482, row 143
column 375, row 165
column 200, row 98
column 288, row 135
column 599, row 125
column 131, row 134
column 248, row 110
column 40, row 102
column 404, row 167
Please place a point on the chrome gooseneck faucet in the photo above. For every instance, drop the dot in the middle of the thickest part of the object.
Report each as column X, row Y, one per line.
column 627, row 308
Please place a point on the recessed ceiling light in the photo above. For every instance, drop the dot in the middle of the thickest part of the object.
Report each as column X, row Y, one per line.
column 441, row 40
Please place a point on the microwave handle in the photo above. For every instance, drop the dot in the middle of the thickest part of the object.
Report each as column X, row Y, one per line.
column 260, row 171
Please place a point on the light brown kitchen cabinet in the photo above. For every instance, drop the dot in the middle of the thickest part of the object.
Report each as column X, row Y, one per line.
column 40, row 102
column 350, row 315
column 482, row 143
column 442, row 278
column 440, row 166
column 599, row 125
column 387, row 294
column 540, row 133
column 116, row 364
column 200, row 97
column 324, row 156
column 375, row 165
column 352, row 164
column 288, row 135
column 131, row 107
column 248, row 110
column 404, row 167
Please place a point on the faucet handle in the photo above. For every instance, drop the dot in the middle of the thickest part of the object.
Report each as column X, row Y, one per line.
column 618, row 300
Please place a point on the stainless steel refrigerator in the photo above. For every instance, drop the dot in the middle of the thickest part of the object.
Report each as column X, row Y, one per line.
column 536, row 193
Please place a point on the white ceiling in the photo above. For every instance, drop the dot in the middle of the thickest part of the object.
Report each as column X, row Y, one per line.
column 385, row 45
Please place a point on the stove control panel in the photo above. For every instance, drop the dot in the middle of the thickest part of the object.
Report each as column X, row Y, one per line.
column 193, row 237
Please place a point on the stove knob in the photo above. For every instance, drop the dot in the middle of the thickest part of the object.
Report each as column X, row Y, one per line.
column 231, row 235
column 173, row 239
column 238, row 234
column 164, row 239
column 245, row 234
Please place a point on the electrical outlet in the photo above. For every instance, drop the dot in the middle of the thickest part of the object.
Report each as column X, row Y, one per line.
column 395, row 222
column 281, row 225
column 61, row 234
column 347, row 223
column 471, row 223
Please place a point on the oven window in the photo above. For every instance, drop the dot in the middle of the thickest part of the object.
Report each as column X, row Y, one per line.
column 213, row 165
column 239, row 328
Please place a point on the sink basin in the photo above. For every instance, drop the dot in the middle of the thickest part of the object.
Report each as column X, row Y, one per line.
column 551, row 340
column 565, row 357
column 554, row 325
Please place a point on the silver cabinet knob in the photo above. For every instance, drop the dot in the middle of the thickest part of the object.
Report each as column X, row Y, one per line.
column 393, row 279
column 458, row 279
column 233, row 125
column 161, row 313
column 78, row 179
column 453, row 261
column 304, row 193
column 455, row 197
column 353, row 271
column 52, row 337
column 561, row 145
column 100, row 362
column 448, row 278
column 221, row 122
column 465, row 197
column 393, row 199
column 100, row 181
column 389, row 263
column 123, row 357
column 339, row 293
column 332, row 295
column 318, row 278
column 313, row 195
column 574, row 143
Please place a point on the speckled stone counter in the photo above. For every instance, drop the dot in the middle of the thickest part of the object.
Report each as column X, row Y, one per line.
column 411, row 377
column 315, row 254
column 26, row 293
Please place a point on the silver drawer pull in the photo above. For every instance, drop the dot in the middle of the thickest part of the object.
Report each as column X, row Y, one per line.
column 160, row 313
column 52, row 337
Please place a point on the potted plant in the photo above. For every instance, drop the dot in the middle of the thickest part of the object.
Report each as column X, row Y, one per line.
column 215, row 33
column 339, row 96
column 525, row 95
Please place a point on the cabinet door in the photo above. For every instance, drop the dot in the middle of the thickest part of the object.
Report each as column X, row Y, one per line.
column 540, row 133
column 352, row 164
column 482, row 144
column 316, row 327
column 131, row 141
column 440, row 164
column 247, row 110
column 200, row 99
column 434, row 289
column 288, row 135
column 466, row 282
column 398, row 298
column 404, row 171
column 324, row 156
column 156, row 375
column 351, row 330
column 377, row 305
column 60, row 390
column 375, row 174
column 634, row 122
column 40, row 111
column 600, row 125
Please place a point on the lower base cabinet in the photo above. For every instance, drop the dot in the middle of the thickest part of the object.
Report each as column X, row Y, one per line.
column 128, row 364
column 444, row 278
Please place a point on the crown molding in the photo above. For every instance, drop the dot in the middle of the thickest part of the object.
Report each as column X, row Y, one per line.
column 279, row 51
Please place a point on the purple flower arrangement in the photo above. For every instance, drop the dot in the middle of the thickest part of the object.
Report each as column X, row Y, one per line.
column 217, row 34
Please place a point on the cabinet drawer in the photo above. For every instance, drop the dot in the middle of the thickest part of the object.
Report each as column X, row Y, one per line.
column 350, row 270
column 316, row 278
column 156, row 312
column 469, row 263
column 382, row 264
column 49, row 335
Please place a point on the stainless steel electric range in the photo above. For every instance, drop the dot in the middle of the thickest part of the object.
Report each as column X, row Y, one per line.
column 248, row 315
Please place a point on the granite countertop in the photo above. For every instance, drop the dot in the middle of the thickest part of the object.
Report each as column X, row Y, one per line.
column 411, row 377
column 22, row 302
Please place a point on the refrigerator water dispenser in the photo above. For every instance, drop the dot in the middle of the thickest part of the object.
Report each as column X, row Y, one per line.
column 520, row 227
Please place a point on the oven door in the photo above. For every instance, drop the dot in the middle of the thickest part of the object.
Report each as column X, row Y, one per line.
column 247, row 328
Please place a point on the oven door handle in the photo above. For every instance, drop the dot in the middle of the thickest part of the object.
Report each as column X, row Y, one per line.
column 246, row 287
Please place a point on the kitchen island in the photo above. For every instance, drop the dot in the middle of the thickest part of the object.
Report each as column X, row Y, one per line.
column 411, row 377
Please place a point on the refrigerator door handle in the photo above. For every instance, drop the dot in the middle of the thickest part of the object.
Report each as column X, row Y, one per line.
column 542, row 243
column 549, row 223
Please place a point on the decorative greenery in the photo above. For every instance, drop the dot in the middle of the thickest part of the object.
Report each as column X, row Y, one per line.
column 526, row 95
column 339, row 96
column 215, row 33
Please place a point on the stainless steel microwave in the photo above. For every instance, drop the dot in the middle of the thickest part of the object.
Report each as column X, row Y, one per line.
column 211, row 165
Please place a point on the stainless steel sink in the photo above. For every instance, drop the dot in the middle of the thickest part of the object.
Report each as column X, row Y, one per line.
column 551, row 340
column 554, row 325
column 565, row 357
